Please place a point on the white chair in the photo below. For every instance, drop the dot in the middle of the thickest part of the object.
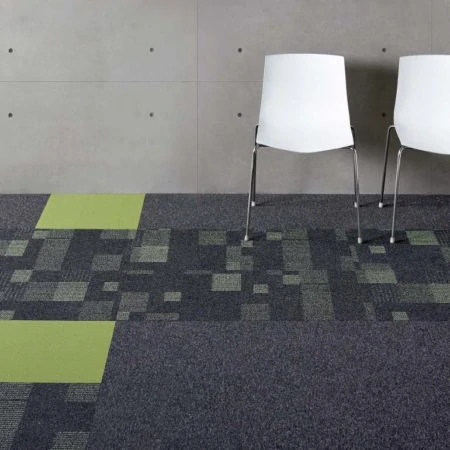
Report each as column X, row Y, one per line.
column 421, row 113
column 304, row 109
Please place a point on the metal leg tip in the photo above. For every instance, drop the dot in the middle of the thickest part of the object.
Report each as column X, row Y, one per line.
column 360, row 240
column 253, row 203
column 355, row 204
column 380, row 204
column 246, row 238
column 392, row 240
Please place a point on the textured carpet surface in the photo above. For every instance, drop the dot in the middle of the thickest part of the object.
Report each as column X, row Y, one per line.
column 46, row 415
column 216, row 211
column 21, row 211
column 298, row 339
column 246, row 385
column 207, row 275
column 275, row 385
column 221, row 211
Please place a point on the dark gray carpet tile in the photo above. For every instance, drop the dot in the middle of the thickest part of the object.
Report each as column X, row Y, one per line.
column 219, row 211
column 275, row 385
column 170, row 382
column 21, row 210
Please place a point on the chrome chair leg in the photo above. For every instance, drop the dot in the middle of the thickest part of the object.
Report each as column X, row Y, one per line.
column 383, row 179
column 254, row 180
column 397, row 177
column 251, row 193
column 356, row 180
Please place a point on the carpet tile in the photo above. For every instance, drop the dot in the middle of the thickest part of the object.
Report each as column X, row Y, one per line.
column 92, row 211
column 53, row 351
column 204, row 275
column 46, row 415
column 275, row 385
column 172, row 332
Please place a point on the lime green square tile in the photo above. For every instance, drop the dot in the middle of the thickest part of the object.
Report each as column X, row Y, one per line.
column 53, row 351
column 97, row 211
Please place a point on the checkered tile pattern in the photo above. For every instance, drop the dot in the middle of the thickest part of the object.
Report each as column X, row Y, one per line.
column 199, row 275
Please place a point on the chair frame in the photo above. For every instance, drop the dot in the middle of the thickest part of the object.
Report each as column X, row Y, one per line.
column 412, row 64
column 252, row 189
column 397, row 179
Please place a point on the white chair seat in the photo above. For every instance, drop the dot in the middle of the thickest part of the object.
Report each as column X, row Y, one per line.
column 426, row 137
column 304, row 106
column 422, row 104
column 313, row 140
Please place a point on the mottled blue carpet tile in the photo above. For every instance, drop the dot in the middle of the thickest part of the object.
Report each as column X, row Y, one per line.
column 275, row 385
column 228, row 211
column 21, row 210
column 46, row 416
column 213, row 275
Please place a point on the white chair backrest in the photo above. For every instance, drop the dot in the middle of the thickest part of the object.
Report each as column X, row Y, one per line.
column 422, row 104
column 304, row 105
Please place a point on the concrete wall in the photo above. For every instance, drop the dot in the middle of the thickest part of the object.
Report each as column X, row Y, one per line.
column 155, row 96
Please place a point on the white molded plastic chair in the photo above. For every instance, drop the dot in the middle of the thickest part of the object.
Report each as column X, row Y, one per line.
column 304, row 109
column 422, row 111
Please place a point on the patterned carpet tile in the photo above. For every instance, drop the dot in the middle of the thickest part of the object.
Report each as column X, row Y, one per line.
column 57, row 416
column 199, row 275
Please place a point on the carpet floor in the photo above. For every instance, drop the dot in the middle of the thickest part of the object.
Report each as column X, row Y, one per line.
column 246, row 385
column 299, row 338
column 213, row 275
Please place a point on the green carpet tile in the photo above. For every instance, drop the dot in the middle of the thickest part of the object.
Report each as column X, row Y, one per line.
column 199, row 275
column 53, row 351
column 92, row 211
